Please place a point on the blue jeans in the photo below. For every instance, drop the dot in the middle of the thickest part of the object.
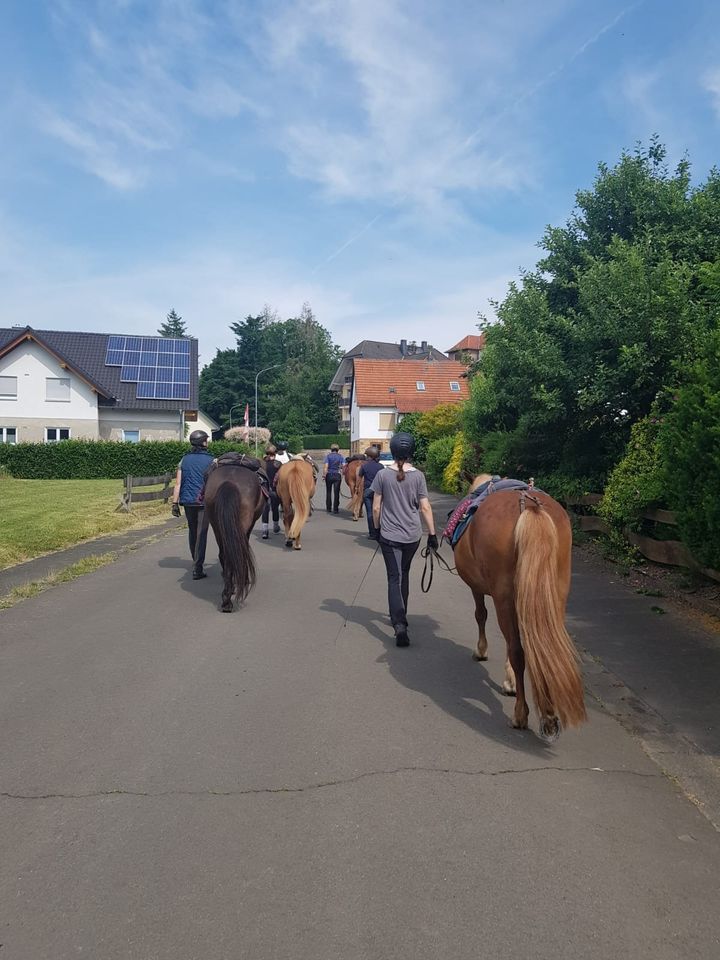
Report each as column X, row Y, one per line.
column 368, row 497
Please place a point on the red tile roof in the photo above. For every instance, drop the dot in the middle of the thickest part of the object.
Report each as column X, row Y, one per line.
column 471, row 342
column 375, row 378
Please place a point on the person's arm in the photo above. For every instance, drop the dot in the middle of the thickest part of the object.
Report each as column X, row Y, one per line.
column 427, row 515
column 377, row 509
column 325, row 466
column 176, row 493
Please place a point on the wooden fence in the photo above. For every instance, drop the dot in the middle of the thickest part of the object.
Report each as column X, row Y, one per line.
column 674, row 553
column 128, row 496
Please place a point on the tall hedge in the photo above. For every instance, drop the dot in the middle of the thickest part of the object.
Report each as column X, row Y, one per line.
column 320, row 441
column 98, row 459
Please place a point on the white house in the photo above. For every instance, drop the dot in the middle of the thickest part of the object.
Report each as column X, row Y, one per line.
column 57, row 385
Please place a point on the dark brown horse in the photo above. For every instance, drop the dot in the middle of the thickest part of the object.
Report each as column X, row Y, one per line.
column 517, row 549
column 233, row 502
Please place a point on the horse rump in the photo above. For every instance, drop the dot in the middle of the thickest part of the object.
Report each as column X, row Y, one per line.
column 238, row 560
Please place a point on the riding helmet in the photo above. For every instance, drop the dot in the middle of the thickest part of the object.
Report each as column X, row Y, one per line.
column 281, row 445
column 402, row 446
column 198, row 437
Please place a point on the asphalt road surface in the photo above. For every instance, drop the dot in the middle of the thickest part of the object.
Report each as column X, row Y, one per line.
column 284, row 782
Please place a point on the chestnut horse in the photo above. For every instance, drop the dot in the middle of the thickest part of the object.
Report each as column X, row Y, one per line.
column 517, row 549
column 233, row 502
column 295, row 485
column 356, row 485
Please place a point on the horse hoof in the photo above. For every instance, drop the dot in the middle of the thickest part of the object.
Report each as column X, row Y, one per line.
column 520, row 724
column 296, row 546
column 355, row 519
column 288, row 543
column 549, row 729
column 227, row 608
column 508, row 691
column 478, row 659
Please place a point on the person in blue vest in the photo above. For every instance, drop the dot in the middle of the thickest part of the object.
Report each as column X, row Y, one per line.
column 332, row 476
column 368, row 471
column 189, row 483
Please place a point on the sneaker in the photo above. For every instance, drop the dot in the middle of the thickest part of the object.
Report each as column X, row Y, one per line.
column 198, row 574
column 276, row 528
column 265, row 535
column 401, row 638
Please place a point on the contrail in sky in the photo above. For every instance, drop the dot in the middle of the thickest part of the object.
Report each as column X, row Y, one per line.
column 462, row 146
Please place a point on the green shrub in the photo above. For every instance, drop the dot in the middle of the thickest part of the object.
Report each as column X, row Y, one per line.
column 442, row 421
column 690, row 447
column 98, row 459
column 439, row 454
column 295, row 444
column 410, row 423
column 452, row 479
column 322, row 441
column 637, row 481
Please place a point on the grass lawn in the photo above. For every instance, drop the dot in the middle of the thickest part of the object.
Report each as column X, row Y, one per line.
column 44, row 515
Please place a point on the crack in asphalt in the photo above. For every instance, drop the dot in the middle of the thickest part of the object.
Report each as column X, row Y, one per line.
column 322, row 784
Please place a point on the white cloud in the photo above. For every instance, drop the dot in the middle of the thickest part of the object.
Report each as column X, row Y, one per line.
column 711, row 83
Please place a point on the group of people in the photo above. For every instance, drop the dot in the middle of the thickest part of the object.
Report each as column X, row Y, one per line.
column 395, row 497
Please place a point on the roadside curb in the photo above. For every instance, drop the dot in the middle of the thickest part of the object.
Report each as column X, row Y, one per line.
column 41, row 567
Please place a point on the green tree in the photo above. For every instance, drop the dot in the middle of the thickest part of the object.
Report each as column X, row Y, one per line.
column 173, row 326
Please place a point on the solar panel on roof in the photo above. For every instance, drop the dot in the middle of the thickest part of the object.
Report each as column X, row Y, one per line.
column 159, row 365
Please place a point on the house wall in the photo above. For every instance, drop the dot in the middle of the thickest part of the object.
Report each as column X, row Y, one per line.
column 152, row 424
column 30, row 413
column 365, row 427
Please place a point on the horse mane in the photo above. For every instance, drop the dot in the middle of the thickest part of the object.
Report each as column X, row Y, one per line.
column 479, row 480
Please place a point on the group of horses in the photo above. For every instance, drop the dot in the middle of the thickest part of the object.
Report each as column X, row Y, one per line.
column 516, row 549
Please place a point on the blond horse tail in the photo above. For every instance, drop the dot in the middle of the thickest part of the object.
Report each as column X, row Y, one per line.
column 300, row 498
column 550, row 654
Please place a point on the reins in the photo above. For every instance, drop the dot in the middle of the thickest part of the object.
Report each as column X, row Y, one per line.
column 431, row 555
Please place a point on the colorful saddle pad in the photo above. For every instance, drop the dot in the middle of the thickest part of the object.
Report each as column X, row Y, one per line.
column 461, row 516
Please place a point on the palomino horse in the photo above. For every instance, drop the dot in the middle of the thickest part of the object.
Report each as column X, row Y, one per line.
column 295, row 485
column 233, row 502
column 356, row 485
column 517, row 549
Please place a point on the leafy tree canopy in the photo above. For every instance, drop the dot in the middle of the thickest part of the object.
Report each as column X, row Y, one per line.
column 298, row 358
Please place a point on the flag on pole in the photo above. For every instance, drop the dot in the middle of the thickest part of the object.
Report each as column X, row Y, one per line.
column 247, row 415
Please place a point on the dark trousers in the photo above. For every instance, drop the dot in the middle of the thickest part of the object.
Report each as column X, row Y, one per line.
column 368, row 497
column 332, row 490
column 398, row 557
column 272, row 503
column 197, row 539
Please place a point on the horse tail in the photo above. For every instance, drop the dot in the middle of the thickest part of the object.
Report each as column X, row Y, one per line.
column 551, row 657
column 300, row 501
column 235, row 549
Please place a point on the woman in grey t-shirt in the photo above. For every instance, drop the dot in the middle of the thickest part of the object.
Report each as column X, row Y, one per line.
column 400, row 500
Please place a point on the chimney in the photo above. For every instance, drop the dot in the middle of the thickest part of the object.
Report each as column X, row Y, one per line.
column 403, row 347
column 424, row 347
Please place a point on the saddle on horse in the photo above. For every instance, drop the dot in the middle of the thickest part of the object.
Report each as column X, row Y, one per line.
column 234, row 459
column 461, row 516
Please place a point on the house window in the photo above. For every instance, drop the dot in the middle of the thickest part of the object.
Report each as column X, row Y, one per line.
column 54, row 434
column 57, row 388
column 8, row 435
column 420, row 384
column 131, row 436
column 8, row 388
column 386, row 421
column 455, row 386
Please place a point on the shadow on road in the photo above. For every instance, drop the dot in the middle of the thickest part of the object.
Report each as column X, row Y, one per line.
column 445, row 672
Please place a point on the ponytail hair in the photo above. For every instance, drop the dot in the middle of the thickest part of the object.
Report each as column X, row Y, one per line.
column 400, row 473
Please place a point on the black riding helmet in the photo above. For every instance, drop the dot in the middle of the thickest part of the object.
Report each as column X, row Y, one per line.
column 281, row 445
column 198, row 437
column 402, row 446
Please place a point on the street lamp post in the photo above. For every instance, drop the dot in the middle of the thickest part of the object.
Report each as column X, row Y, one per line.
column 264, row 370
column 238, row 404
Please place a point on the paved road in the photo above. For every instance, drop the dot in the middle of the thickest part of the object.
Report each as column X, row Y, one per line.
column 285, row 783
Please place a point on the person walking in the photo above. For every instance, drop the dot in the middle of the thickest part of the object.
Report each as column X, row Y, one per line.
column 332, row 476
column 189, row 482
column 368, row 471
column 400, row 499
column 272, row 465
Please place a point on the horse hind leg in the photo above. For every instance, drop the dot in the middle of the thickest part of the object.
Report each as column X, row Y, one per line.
column 515, row 667
column 481, row 617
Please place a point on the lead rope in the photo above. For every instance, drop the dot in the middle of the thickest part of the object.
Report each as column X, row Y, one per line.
column 430, row 555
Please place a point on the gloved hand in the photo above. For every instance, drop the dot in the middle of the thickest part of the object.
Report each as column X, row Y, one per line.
column 176, row 509
column 432, row 541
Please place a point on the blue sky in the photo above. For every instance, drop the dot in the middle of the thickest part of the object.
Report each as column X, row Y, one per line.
column 393, row 162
